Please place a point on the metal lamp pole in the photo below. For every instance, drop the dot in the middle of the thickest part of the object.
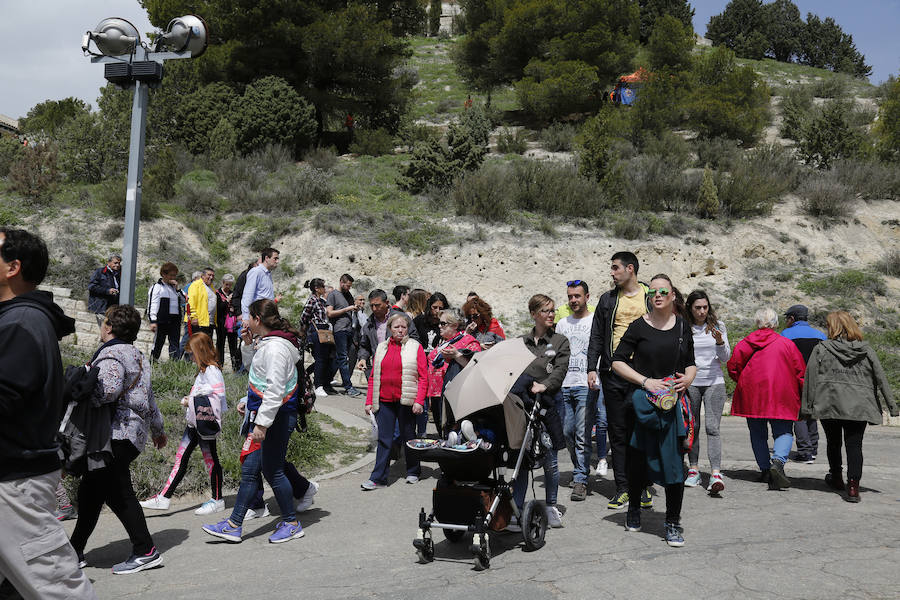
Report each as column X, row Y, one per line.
column 140, row 69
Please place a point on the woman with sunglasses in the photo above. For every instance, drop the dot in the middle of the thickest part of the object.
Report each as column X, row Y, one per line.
column 481, row 322
column 427, row 322
column 454, row 350
column 656, row 354
column 711, row 352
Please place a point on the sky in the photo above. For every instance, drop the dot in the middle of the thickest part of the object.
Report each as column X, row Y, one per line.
column 872, row 23
column 55, row 68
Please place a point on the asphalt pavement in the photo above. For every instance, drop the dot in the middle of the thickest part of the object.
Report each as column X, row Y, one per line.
column 805, row 542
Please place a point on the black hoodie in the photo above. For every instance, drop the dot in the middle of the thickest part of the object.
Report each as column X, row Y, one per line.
column 31, row 384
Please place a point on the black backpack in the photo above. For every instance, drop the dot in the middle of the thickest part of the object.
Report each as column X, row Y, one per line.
column 78, row 393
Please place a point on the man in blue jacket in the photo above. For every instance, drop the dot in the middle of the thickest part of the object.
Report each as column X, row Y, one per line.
column 35, row 555
column 103, row 288
column 798, row 330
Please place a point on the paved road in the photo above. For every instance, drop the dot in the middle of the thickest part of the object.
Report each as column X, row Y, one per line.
column 751, row 543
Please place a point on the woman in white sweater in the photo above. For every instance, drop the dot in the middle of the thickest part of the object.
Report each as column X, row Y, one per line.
column 711, row 352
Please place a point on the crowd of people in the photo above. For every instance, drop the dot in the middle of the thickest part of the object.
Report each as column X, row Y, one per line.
column 630, row 375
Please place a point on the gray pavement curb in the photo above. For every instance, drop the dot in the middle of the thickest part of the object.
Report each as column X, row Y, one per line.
column 347, row 420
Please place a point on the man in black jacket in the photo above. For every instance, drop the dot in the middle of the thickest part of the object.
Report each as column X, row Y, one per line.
column 35, row 555
column 374, row 330
column 236, row 296
column 615, row 310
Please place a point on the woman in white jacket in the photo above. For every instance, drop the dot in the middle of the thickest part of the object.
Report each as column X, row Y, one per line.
column 711, row 352
column 272, row 404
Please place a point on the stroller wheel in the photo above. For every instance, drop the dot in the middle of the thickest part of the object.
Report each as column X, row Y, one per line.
column 453, row 535
column 534, row 524
column 425, row 547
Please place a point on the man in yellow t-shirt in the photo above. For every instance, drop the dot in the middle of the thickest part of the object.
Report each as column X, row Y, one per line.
column 615, row 311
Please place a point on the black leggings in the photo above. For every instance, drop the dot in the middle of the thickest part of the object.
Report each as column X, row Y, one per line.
column 112, row 485
column 189, row 441
column 637, row 482
column 853, row 432
column 232, row 336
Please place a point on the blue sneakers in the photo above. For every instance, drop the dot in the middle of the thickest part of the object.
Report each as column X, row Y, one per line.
column 286, row 532
column 224, row 530
column 674, row 535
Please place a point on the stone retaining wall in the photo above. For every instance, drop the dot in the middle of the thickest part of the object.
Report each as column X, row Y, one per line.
column 87, row 334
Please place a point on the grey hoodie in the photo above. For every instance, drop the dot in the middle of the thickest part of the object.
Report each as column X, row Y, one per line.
column 842, row 382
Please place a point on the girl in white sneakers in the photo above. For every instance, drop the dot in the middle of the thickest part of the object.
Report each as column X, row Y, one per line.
column 711, row 352
column 205, row 406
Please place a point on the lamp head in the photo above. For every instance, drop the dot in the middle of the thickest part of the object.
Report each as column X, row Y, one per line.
column 115, row 36
column 188, row 33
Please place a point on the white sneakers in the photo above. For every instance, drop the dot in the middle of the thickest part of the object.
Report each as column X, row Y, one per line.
column 156, row 503
column 554, row 517
column 412, row 479
column 320, row 392
column 602, row 468
column 307, row 500
column 258, row 513
column 210, row 506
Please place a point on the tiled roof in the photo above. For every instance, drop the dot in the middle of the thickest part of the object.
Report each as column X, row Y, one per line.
column 9, row 123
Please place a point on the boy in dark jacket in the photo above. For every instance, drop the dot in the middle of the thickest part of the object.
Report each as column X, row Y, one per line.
column 35, row 554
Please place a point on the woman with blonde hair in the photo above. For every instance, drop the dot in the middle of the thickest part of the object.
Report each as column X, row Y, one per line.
column 843, row 378
column 396, row 393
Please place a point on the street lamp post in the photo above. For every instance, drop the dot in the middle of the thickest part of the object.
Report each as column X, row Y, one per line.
column 130, row 64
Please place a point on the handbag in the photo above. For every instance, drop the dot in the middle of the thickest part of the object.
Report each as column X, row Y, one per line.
column 326, row 336
column 230, row 323
column 205, row 418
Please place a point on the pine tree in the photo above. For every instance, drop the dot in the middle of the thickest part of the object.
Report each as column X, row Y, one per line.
column 708, row 200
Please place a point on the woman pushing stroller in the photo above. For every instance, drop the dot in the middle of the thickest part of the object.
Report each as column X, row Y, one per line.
column 544, row 376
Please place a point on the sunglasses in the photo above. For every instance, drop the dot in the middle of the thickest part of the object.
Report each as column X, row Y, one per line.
column 443, row 323
column 574, row 282
column 660, row 291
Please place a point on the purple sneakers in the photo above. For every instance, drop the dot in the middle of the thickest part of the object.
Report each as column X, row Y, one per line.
column 286, row 532
column 224, row 530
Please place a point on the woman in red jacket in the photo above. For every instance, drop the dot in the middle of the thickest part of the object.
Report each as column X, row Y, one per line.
column 768, row 370
column 396, row 393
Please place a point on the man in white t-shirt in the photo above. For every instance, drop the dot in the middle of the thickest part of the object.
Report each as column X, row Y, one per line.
column 576, row 397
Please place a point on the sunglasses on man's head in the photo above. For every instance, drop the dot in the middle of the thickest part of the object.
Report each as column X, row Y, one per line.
column 574, row 282
column 660, row 291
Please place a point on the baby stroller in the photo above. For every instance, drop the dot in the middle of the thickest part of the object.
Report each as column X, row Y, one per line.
column 473, row 494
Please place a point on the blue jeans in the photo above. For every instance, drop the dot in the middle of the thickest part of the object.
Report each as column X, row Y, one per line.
column 551, row 469
column 599, row 404
column 422, row 420
column 269, row 460
column 576, row 427
column 341, row 344
column 782, row 431
column 321, row 368
column 388, row 415
column 551, row 481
